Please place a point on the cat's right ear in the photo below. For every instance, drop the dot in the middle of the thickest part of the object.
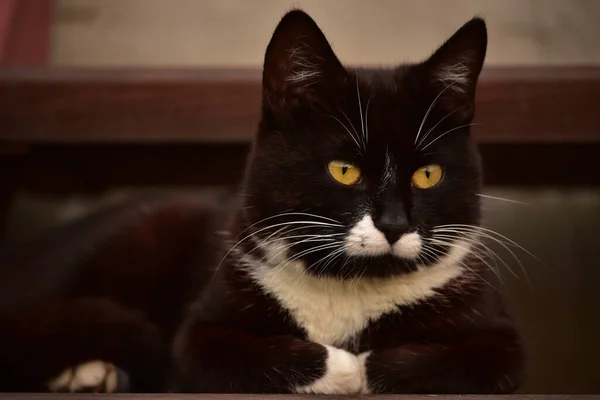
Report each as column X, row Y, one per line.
column 453, row 70
column 300, row 67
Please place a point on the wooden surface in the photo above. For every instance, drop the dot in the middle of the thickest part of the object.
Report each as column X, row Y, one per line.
column 514, row 105
column 84, row 396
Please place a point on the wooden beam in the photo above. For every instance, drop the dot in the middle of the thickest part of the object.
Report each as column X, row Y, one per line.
column 89, row 396
column 514, row 105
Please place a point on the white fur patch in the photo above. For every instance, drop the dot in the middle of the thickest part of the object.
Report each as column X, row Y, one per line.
column 304, row 70
column 455, row 75
column 365, row 239
column 93, row 375
column 344, row 374
column 334, row 311
column 408, row 246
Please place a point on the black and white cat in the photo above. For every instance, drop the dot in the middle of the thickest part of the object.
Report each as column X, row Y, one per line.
column 348, row 264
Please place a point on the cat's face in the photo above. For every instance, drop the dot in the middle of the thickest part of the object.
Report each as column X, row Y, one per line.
column 353, row 171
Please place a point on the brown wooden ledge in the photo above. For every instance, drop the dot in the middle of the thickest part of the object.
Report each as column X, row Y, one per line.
column 289, row 397
column 84, row 396
column 515, row 105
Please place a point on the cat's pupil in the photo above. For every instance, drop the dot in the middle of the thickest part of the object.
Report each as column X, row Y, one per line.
column 344, row 169
column 427, row 173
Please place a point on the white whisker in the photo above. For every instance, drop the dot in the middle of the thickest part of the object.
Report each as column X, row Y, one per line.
column 474, row 228
column 487, row 196
column 350, row 122
column 326, row 246
column 429, row 252
column 447, row 132
column 463, row 263
column 306, row 224
column 480, row 232
column 433, row 103
column 432, row 129
column 347, row 130
column 284, row 248
column 360, row 110
column 483, row 260
column 367, row 119
column 332, row 258
column 479, row 245
column 288, row 214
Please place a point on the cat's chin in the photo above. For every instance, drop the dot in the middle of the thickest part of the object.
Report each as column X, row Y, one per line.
column 388, row 262
column 381, row 266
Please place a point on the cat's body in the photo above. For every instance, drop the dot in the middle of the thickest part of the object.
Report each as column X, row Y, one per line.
column 113, row 286
column 347, row 263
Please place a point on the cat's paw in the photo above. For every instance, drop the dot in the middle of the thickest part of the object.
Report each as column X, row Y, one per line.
column 344, row 375
column 93, row 376
column 362, row 359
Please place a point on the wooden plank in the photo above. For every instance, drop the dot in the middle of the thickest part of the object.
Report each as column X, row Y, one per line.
column 86, row 396
column 514, row 105
column 27, row 41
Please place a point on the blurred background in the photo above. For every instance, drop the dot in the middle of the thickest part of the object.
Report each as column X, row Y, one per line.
column 235, row 33
column 103, row 99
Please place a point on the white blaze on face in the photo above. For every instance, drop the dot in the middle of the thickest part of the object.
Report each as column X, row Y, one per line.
column 364, row 239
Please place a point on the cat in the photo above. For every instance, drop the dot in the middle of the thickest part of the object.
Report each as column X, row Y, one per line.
column 345, row 263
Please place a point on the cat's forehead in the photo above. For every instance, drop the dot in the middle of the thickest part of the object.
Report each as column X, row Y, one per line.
column 385, row 104
column 381, row 80
column 388, row 93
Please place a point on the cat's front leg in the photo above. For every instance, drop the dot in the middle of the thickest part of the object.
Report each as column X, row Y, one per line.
column 221, row 359
column 486, row 362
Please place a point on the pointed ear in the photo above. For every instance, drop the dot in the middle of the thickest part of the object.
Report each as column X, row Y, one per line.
column 453, row 70
column 299, row 63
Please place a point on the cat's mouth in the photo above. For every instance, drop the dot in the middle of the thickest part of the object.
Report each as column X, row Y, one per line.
column 365, row 240
column 408, row 247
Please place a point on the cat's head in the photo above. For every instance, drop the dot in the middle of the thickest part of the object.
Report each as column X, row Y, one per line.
column 351, row 170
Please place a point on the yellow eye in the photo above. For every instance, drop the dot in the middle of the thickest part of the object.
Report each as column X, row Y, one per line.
column 343, row 172
column 427, row 177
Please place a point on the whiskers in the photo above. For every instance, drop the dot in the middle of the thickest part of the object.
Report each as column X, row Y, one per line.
column 360, row 111
column 359, row 138
column 475, row 236
column 276, row 239
column 355, row 136
column 487, row 196
column 433, row 103
column 445, row 133
column 420, row 142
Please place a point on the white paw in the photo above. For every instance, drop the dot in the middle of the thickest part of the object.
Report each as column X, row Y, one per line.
column 344, row 375
column 93, row 376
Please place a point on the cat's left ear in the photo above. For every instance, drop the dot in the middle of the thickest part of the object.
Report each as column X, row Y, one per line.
column 300, row 66
column 453, row 70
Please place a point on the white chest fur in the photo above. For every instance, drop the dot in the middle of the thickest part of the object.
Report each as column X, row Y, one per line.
column 332, row 311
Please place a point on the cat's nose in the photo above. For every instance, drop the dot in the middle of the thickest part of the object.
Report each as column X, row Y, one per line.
column 392, row 232
column 392, row 227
